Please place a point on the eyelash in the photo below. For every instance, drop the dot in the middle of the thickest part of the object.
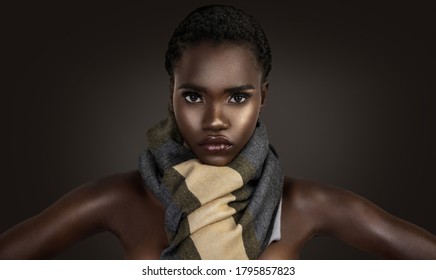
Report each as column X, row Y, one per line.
column 187, row 95
column 241, row 94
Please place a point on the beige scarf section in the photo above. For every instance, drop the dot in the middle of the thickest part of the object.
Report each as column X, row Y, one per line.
column 214, row 217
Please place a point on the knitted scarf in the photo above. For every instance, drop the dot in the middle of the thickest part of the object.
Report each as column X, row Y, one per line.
column 213, row 212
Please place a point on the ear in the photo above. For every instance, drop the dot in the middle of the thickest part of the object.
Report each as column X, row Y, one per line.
column 264, row 93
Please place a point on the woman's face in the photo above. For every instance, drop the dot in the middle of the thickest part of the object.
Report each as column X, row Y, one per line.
column 217, row 93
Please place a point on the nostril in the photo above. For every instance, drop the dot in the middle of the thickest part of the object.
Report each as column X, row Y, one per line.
column 215, row 124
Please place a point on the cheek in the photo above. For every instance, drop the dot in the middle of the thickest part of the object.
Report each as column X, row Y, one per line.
column 187, row 119
column 245, row 121
column 249, row 118
column 251, row 114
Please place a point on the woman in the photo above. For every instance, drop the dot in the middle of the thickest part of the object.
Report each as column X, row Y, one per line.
column 218, row 61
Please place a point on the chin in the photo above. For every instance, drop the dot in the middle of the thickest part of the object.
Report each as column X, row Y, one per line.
column 215, row 160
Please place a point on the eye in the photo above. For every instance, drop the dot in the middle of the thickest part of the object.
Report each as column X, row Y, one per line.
column 239, row 98
column 192, row 97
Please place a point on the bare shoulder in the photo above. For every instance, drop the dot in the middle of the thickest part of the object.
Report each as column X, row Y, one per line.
column 115, row 189
column 134, row 215
column 125, row 194
column 99, row 205
column 100, row 198
column 325, row 209
column 328, row 207
column 307, row 193
column 303, row 204
column 313, row 202
column 121, row 200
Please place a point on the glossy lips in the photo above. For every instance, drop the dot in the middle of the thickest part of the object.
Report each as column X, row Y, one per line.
column 215, row 144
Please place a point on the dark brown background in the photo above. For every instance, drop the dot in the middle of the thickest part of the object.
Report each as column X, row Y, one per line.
column 352, row 102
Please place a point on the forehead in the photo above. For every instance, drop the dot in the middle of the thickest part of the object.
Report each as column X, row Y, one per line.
column 217, row 64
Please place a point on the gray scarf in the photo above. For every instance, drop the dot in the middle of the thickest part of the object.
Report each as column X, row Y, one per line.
column 213, row 212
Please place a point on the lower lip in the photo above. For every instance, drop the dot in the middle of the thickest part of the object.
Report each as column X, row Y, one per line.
column 216, row 148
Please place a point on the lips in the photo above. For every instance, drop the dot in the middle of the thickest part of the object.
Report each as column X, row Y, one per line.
column 216, row 144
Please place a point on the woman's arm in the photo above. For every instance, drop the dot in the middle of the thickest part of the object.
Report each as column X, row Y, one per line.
column 83, row 211
column 358, row 222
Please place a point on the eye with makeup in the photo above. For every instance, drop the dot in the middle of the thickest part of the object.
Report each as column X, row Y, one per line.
column 192, row 97
column 239, row 98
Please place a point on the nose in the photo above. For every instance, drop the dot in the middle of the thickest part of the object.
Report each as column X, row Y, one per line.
column 214, row 118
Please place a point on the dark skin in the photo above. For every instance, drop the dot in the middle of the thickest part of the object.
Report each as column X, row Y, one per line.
column 204, row 106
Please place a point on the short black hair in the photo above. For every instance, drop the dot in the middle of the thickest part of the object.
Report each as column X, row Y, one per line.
column 219, row 23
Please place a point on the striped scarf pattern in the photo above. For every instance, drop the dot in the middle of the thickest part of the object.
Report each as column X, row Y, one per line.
column 213, row 212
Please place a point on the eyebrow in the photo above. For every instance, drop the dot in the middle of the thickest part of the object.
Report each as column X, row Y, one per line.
column 227, row 90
